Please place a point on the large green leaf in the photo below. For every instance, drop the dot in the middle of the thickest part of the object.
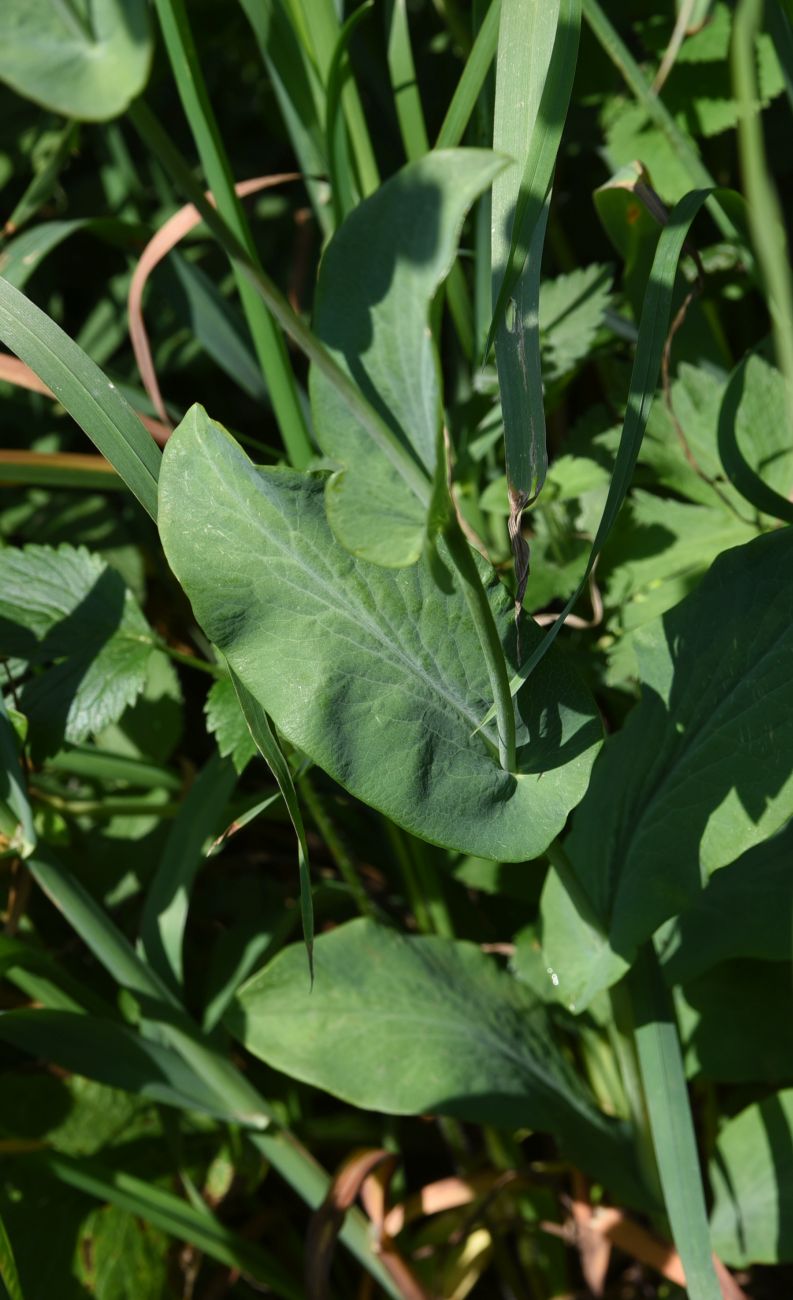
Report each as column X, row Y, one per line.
column 83, row 60
column 699, row 774
column 752, row 1176
column 745, row 911
column 737, row 1021
column 375, row 674
column 411, row 1025
column 63, row 611
column 376, row 283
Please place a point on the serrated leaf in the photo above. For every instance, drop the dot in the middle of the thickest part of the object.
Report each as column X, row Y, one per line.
column 376, row 674
column 226, row 722
column 86, row 644
column 752, row 1177
column 377, row 279
column 412, row 1025
column 571, row 313
column 699, row 773
column 84, row 61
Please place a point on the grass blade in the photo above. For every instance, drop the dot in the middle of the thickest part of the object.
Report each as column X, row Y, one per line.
column 671, row 1125
column 175, row 1216
column 377, row 428
column 319, row 31
column 537, row 53
column 8, row 1269
column 165, row 912
column 407, row 99
column 653, row 331
column 269, row 344
column 267, row 744
column 474, row 74
column 343, row 188
column 766, row 223
column 79, row 385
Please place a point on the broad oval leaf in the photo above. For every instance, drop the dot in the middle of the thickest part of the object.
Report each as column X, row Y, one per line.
column 700, row 773
column 375, row 673
column 377, row 280
column 85, row 61
column 410, row 1025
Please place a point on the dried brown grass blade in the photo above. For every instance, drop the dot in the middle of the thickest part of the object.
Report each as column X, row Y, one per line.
column 14, row 371
column 158, row 247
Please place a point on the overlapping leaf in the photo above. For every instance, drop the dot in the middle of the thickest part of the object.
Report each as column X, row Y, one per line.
column 376, row 674
column 376, row 282
column 84, row 61
column 698, row 775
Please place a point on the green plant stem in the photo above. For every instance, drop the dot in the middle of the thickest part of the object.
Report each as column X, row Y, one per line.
column 402, row 458
column 489, row 641
column 432, row 888
column 671, row 1125
column 616, row 49
column 269, row 345
column 623, row 1042
column 766, row 223
column 191, row 661
column 335, row 844
column 413, row 889
column 119, row 807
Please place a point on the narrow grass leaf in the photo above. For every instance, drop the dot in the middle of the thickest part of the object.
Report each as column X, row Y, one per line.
column 176, row 1216
column 79, row 385
column 8, row 1269
column 295, row 82
column 538, row 50
column 653, row 331
column 343, row 187
column 764, row 213
column 164, row 916
column 270, row 750
column 472, row 79
column 404, row 84
column 671, row 1125
column 268, row 342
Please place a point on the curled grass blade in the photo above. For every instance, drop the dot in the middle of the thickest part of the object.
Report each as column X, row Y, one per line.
column 377, row 428
column 616, row 49
column 736, row 467
column 159, row 246
column 79, row 385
